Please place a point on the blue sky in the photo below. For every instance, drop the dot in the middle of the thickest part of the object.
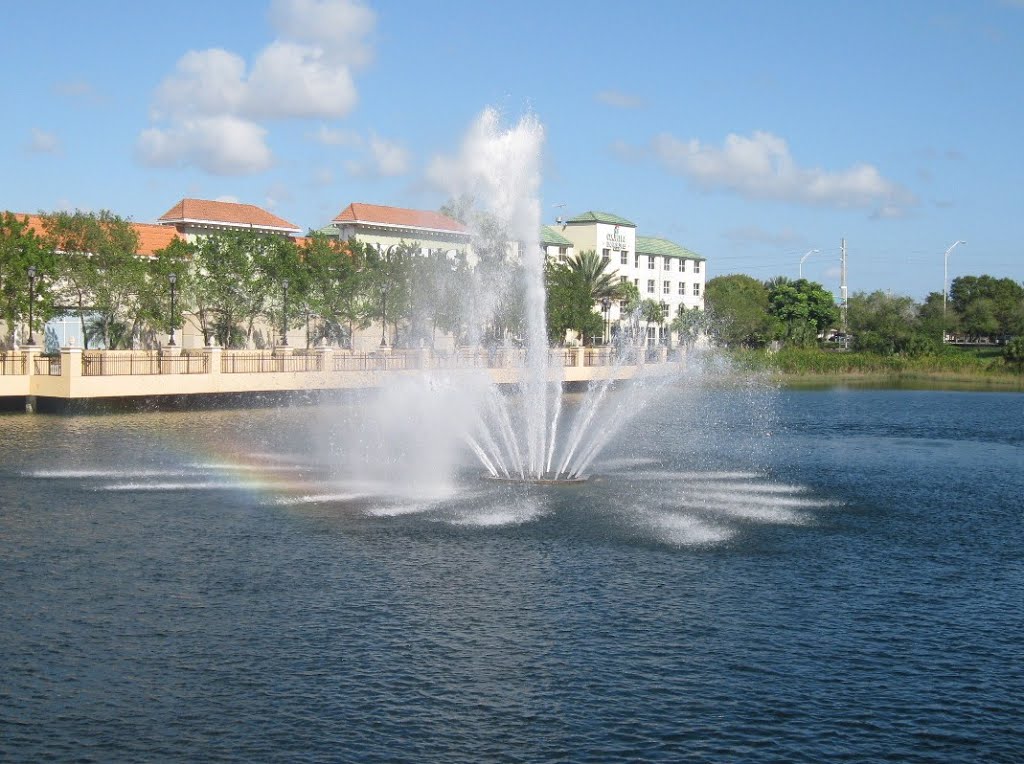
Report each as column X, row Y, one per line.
column 750, row 132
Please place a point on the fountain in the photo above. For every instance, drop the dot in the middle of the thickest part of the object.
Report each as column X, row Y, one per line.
column 522, row 437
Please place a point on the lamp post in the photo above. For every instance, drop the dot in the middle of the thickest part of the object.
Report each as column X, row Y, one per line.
column 945, row 279
column 809, row 253
column 606, row 306
column 284, row 315
column 173, row 279
column 31, row 302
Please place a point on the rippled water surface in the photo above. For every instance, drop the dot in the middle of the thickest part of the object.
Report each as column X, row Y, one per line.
column 750, row 575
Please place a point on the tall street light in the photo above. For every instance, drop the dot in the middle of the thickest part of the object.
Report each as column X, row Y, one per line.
column 606, row 306
column 809, row 253
column 284, row 315
column 173, row 279
column 31, row 302
column 945, row 280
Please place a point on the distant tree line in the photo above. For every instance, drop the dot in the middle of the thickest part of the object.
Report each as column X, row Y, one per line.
column 746, row 312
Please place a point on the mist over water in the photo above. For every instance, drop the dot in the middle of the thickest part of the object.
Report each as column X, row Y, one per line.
column 525, row 436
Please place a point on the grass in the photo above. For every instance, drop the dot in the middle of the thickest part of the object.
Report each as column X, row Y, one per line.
column 952, row 365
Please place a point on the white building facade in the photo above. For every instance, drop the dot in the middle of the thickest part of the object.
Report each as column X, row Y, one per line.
column 661, row 270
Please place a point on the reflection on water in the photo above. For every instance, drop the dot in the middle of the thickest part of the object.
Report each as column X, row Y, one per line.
column 749, row 574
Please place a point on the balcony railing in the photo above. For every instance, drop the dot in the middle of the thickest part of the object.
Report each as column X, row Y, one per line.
column 12, row 364
column 105, row 364
column 260, row 363
column 47, row 366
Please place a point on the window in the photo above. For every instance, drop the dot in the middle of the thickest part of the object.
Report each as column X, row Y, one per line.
column 696, row 289
column 623, row 279
column 562, row 258
column 650, row 262
column 606, row 255
column 682, row 288
column 696, row 266
column 636, row 282
column 624, row 258
column 666, row 287
column 636, row 261
column 650, row 286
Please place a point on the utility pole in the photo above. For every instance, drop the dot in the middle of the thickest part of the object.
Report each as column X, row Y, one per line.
column 842, row 284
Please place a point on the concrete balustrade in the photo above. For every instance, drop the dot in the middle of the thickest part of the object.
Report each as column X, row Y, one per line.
column 73, row 374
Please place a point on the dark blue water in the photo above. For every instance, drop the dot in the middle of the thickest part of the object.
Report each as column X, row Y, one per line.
column 756, row 576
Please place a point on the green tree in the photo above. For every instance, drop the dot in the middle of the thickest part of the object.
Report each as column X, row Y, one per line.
column 155, row 298
column 568, row 305
column 101, row 273
column 1013, row 353
column 574, row 291
column 389, row 286
column 987, row 306
column 230, row 286
column 20, row 249
column 889, row 324
column 738, row 311
column 804, row 307
column 336, row 273
column 652, row 312
column 689, row 324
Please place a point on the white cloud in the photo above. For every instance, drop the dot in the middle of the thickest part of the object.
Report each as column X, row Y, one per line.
column 619, row 100
column 204, row 83
column 43, row 142
column 305, row 74
column 220, row 145
column 389, row 158
column 752, row 234
column 329, row 136
column 79, row 89
column 761, row 167
column 340, row 28
column 291, row 80
column 228, row 198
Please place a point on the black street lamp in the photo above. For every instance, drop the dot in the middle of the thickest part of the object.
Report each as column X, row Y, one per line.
column 31, row 302
column 284, row 315
column 606, row 306
column 173, row 279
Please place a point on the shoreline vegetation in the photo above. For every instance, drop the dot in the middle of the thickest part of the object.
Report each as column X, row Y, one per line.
column 952, row 369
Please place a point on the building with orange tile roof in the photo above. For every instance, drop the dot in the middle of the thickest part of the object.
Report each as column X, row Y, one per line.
column 381, row 227
column 201, row 217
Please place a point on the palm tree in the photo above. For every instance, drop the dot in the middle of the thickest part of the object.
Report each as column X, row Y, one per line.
column 588, row 268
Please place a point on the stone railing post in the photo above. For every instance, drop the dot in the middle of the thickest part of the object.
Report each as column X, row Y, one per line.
column 578, row 360
column 213, row 356
column 325, row 357
column 70, row 369
column 30, row 353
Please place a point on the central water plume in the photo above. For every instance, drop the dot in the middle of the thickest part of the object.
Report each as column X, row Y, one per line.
column 497, row 173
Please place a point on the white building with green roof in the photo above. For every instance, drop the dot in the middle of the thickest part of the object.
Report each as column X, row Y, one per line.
column 661, row 269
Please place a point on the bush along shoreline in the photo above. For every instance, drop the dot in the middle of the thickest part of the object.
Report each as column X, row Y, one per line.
column 988, row 367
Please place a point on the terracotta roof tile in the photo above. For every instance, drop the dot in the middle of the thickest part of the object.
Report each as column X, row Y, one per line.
column 378, row 214
column 226, row 213
column 152, row 237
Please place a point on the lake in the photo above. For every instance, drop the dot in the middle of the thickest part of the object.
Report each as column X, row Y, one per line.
column 751, row 574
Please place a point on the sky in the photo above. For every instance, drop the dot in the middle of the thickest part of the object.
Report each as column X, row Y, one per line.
column 750, row 132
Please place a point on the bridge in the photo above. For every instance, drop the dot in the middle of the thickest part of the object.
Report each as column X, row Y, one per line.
column 74, row 374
